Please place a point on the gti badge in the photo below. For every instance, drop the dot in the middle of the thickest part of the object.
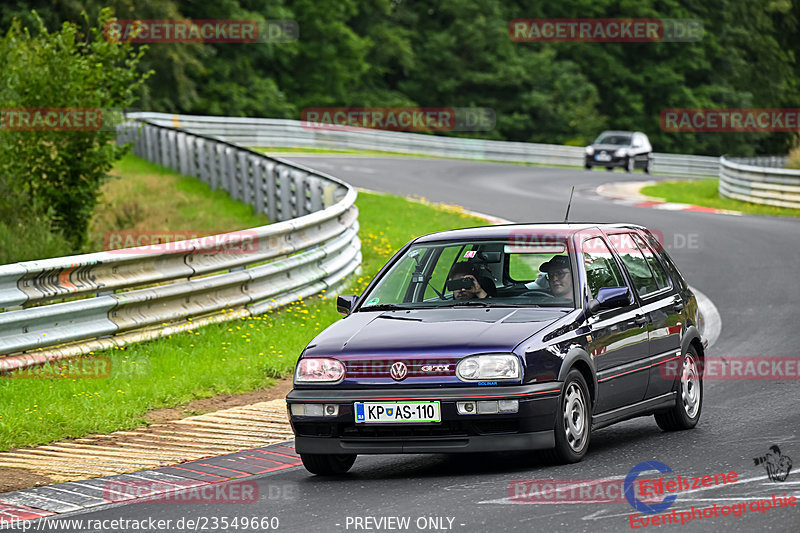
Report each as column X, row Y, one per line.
column 399, row 371
column 435, row 368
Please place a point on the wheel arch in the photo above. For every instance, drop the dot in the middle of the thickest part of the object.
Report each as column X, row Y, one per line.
column 692, row 338
column 578, row 359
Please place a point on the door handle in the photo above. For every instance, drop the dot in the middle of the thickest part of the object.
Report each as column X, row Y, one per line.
column 678, row 305
column 640, row 320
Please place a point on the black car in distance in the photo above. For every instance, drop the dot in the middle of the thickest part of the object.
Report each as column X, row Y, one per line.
column 625, row 149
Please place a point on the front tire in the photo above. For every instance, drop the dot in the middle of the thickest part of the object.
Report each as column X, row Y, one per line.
column 587, row 166
column 325, row 464
column 574, row 420
column 689, row 403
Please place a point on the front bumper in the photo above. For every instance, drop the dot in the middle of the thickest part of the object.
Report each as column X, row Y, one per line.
column 613, row 163
column 528, row 429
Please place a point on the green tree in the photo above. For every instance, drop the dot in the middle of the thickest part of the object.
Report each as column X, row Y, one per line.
column 60, row 172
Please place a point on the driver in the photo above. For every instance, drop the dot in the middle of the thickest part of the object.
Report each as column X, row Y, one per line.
column 559, row 276
column 470, row 271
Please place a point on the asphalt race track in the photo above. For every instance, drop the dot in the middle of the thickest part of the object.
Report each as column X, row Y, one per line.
column 749, row 268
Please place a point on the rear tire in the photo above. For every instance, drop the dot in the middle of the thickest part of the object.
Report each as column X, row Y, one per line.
column 325, row 464
column 587, row 167
column 610, row 169
column 689, row 403
column 573, row 420
column 647, row 166
column 630, row 164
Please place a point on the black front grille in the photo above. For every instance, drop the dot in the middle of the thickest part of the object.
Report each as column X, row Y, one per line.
column 459, row 428
column 450, row 429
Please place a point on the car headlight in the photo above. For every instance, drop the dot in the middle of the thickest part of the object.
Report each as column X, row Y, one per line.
column 622, row 152
column 319, row 370
column 489, row 367
column 589, row 150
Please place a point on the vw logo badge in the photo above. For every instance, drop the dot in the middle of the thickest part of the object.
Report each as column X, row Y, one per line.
column 399, row 371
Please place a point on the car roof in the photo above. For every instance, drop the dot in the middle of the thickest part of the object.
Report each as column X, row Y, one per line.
column 619, row 132
column 505, row 231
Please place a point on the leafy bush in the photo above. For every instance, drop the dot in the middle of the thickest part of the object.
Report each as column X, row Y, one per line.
column 60, row 172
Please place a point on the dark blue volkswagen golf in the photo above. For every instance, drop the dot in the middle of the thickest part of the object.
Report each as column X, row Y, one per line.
column 515, row 337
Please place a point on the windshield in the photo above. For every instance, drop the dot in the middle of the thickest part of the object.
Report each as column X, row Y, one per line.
column 472, row 273
column 614, row 138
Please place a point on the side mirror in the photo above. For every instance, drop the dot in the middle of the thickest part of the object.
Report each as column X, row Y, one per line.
column 345, row 303
column 610, row 298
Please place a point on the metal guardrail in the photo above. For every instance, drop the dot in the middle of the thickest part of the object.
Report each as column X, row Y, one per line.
column 763, row 184
column 312, row 245
column 279, row 133
column 771, row 161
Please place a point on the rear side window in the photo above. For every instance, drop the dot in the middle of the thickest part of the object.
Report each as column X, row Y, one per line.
column 677, row 277
column 601, row 268
column 662, row 281
column 644, row 280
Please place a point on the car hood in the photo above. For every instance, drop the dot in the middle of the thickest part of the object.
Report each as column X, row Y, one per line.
column 453, row 332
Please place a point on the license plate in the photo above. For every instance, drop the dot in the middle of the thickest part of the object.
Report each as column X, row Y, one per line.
column 602, row 157
column 397, row 412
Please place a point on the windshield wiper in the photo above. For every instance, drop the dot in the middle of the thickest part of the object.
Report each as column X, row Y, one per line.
column 471, row 303
column 384, row 307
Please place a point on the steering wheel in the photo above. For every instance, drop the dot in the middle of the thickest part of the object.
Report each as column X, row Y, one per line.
column 538, row 292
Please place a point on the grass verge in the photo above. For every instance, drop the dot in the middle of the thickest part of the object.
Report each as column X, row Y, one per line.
column 706, row 193
column 148, row 199
column 229, row 358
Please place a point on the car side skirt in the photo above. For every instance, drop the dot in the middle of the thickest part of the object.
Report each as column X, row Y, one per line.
column 643, row 408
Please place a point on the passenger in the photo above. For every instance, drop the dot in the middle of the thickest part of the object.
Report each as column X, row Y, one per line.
column 470, row 271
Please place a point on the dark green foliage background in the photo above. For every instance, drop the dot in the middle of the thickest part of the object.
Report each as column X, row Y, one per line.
column 457, row 53
column 49, row 179
column 371, row 53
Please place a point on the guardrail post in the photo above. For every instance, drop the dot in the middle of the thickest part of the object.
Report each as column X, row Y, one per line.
column 215, row 164
column 300, row 193
column 285, row 193
column 242, row 186
column 259, row 186
column 201, row 155
column 271, row 191
column 181, row 155
column 315, row 190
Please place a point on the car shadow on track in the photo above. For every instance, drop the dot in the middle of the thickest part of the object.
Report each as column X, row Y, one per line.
column 606, row 446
